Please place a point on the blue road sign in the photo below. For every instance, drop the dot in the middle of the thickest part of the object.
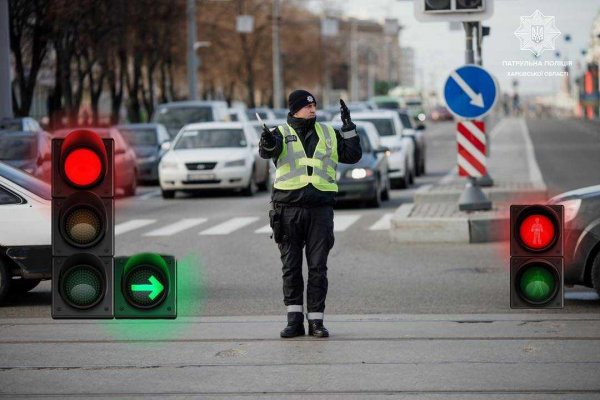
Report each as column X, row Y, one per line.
column 470, row 92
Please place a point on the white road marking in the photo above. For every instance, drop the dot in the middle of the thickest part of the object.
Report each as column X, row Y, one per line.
column 535, row 175
column 149, row 195
column 132, row 225
column 229, row 226
column 177, row 227
column 264, row 229
column 382, row 224
column 341, row 222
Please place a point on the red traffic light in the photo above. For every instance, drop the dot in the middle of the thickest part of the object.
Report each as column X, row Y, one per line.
column 537, row 231
column 83, row 159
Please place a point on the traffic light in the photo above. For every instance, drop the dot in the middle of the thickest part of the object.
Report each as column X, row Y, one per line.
column 448, row 6
column 146, row 286
column 82, row 226
column 536, row 256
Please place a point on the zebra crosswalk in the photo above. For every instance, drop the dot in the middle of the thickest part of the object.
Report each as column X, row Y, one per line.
column 207, row 227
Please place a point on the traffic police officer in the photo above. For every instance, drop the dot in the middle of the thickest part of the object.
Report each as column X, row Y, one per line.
column 306, row 154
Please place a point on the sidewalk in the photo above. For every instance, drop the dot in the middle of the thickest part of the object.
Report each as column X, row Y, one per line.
column 492, row 356
column 434, row 215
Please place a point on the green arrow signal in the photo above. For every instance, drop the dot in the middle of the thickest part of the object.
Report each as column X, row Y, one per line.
column 155, row 288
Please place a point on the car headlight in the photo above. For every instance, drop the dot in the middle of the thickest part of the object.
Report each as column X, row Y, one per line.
column 236, row 163
column 359, row 173
column 422, row 117
column 169, row 165
column 571, row 208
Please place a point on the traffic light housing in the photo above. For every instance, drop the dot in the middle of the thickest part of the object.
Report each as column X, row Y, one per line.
column 82, row 226
column 536, row 256
column 453, row 10
column 146, row 286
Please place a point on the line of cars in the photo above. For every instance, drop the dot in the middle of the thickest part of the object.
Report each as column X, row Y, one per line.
column 224, row 155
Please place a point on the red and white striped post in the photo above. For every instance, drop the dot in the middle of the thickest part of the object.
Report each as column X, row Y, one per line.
column 472, row 163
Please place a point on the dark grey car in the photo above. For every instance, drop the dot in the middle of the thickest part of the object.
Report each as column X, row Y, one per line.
column 582, row 236
column 367, row 180
column 148, row 143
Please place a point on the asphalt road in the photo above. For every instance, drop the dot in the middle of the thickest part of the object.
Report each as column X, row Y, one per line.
column 229, row 268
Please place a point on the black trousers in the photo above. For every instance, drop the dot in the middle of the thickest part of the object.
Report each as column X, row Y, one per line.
column 311, row 228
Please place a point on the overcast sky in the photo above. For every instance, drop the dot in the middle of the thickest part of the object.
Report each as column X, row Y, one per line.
column 438, row 49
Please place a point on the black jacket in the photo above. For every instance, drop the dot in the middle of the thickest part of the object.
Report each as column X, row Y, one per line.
column 349, row 152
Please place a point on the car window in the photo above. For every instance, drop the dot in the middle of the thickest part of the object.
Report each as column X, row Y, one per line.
column 120, row 144
column 365, row 144
column 406, row 122
column 175, row 118
column 163, row 135
column 384, row 126
column 23, row 179
column 7, row 197
column 140, row 136
column 11, row 125
column 14, row 148
column 211, row 138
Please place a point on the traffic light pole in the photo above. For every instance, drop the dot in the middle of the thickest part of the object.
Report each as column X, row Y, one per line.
column 472, row 198
column 486, row 180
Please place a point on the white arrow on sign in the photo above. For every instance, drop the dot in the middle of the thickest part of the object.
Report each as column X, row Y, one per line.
column 476, row 99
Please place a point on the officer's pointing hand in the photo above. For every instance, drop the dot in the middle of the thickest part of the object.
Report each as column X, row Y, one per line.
column 267, row 138
column 347, row 124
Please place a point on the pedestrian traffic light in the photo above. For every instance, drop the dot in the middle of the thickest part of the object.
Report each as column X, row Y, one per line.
column 146, row 286
column 537, row 256
column 82, row 226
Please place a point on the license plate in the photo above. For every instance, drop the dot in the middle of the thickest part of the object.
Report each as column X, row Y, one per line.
column 200, row 177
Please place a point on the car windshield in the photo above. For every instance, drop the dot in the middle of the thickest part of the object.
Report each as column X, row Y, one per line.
column 388, row 105
column 140, row 136
column 23, row 179
column 384, row 126
column 211, row 138
column 14, row 148
column 406, row 122
column 175, row 118
column 252, row 114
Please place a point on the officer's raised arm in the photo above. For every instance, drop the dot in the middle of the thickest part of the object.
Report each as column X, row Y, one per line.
column 349, row 149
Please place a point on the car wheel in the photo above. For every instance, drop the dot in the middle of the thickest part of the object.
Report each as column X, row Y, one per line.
column 168, row 194
column 20, row 286
column 5, row 279
column 596, row 274
column 130, row 190
column 252, row 187
column 375, row 202
column 411, row 176
column 385, row 195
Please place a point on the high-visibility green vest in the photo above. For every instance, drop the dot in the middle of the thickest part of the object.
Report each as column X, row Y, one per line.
column 292, row 171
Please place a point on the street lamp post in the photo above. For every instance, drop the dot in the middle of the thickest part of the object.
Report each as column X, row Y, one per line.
column 6, row 110
column 192, row 64
column 277, row 79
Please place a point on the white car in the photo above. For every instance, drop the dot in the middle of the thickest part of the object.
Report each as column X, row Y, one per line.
column 213, row 155
column 402, row 148
column 25, row 246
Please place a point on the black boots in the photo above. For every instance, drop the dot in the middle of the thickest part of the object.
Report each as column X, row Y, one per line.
column 295, row 326
column 316, row 328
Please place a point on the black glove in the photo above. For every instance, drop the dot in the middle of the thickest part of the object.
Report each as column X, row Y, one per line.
column 267, row 138
column 347, row 125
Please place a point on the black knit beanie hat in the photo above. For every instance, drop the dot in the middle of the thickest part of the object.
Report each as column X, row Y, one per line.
column 299, row 99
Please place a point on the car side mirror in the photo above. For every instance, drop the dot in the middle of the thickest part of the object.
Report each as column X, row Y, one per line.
column 164, row 146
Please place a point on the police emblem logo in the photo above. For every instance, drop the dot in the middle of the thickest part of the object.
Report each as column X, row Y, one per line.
column 310, row 99
column 537, row 33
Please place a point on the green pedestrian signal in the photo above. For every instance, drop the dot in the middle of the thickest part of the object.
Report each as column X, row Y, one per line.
column 146, row 286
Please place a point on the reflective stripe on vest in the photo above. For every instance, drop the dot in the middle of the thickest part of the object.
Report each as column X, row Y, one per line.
column 292, row 171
